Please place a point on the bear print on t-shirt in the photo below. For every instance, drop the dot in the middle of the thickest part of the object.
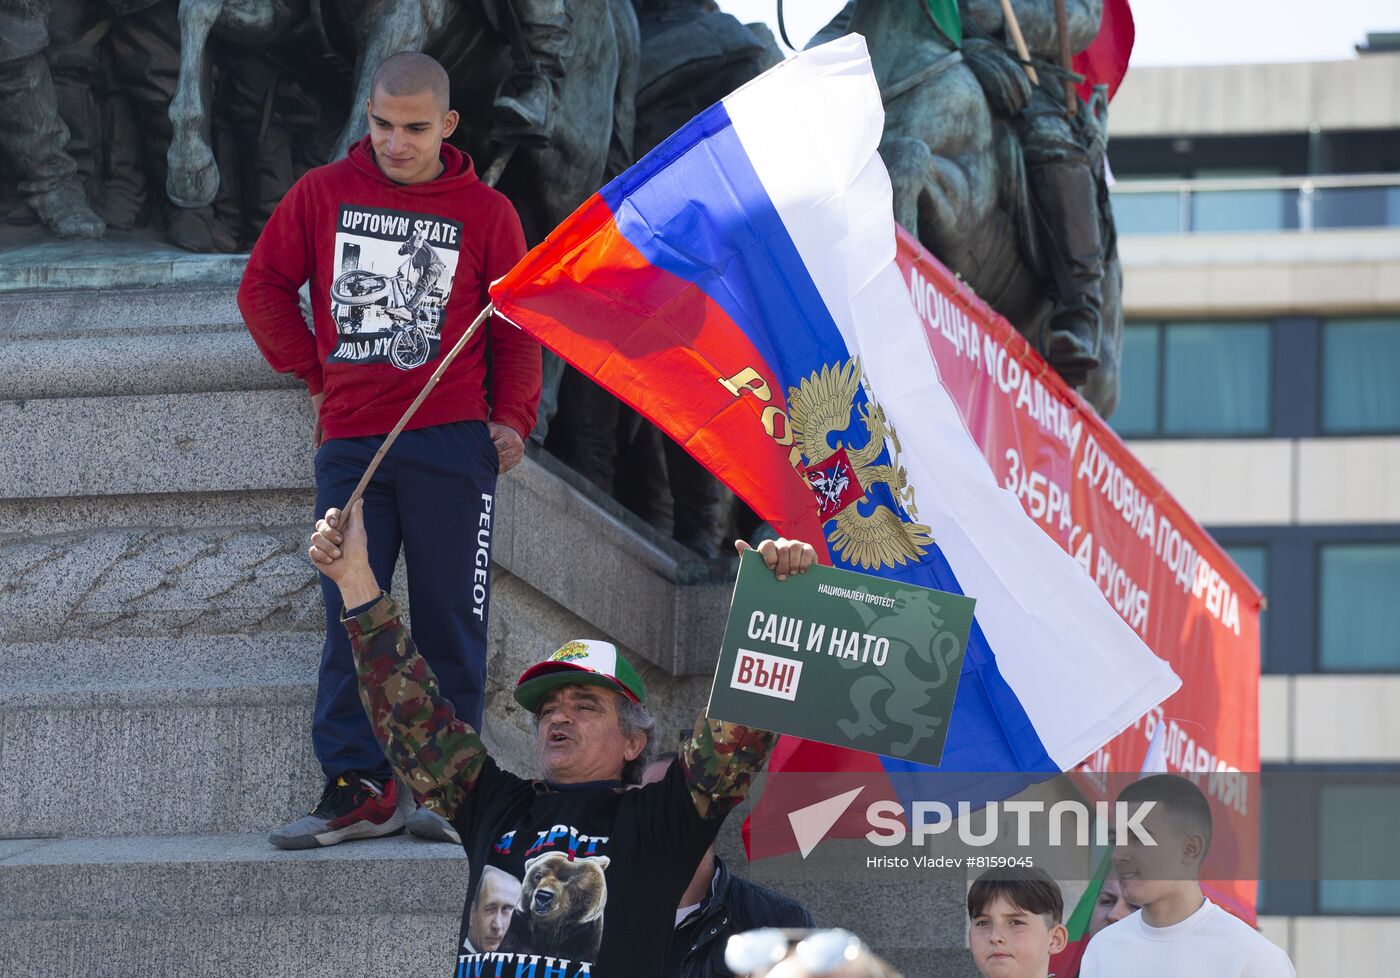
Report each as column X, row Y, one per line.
column 560, row 913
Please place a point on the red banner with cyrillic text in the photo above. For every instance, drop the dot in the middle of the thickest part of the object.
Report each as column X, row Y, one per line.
column 1156, row 566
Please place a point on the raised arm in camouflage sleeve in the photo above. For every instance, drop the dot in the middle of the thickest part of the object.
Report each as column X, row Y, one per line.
column 720, row 760
column 438, row 755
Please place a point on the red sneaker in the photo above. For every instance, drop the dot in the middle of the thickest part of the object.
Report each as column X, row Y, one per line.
column 352, row 807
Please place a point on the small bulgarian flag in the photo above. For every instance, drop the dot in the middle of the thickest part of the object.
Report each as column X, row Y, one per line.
column 1066, row 963
column 945, row 15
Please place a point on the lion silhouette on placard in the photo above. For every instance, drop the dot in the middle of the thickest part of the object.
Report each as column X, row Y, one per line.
column 560, row 913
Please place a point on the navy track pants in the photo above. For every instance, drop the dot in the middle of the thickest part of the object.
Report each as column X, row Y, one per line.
column 433, row 495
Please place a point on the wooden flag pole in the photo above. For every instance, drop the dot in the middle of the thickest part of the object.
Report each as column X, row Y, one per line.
column 1066, row 57
column 1022, row 52
column 417, row 401
column 498, row 165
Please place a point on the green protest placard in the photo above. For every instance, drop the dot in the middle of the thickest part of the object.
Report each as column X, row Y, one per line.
column 843, row 658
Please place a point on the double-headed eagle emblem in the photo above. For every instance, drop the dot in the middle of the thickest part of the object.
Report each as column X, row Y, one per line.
column 866, row 532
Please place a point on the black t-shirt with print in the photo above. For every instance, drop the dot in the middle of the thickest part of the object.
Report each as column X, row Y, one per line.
column 600, row 870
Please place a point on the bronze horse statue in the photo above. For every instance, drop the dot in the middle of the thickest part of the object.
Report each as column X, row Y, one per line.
column 591, row 138
column 960, row 182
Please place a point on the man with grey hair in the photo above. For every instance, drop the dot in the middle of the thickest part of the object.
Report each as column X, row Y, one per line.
column 601, row 868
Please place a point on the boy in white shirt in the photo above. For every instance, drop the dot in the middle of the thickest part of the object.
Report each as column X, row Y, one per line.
column 1178, row 932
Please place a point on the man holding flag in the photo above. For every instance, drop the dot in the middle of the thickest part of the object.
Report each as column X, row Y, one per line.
column 598, row 869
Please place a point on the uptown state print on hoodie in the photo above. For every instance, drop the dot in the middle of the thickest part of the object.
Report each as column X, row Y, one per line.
column 397, row 273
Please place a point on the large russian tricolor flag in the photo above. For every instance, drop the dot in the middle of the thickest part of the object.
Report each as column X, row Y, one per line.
column 738, row 287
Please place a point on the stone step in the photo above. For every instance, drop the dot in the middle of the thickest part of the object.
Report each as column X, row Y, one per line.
column 150, row 443
column 166, row 513
column 228, row 905
column 131, row 341
column 69, row 581
column 117, row 312
column 82, row 365
column 31, row 259
column 231, row 905
column 158, row 735
column 168, row 735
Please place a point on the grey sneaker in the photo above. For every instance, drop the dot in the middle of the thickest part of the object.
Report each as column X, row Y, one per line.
column 427, row 824
column 351, row 807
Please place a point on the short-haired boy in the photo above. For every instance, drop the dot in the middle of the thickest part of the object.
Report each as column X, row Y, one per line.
column 1178, row 931
column 1015, row 922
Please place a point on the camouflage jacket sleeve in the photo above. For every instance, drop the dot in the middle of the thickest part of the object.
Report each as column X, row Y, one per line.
column 719, row 760
column 438, row 755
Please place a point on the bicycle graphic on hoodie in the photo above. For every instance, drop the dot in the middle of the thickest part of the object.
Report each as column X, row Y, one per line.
column 396, row 273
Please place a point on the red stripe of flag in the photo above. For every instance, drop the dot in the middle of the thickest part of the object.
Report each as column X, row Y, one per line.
column 661, row 345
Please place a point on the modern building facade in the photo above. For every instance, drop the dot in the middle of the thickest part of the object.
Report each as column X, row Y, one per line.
column 1258, row 209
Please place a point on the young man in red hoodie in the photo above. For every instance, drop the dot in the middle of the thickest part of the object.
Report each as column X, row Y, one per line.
column 399, row 242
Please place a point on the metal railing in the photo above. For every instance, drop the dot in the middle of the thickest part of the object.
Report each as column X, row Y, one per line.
column 1315, row 203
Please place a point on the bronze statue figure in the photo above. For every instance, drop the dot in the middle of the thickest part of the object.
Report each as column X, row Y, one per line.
column 994, row 178
column 483, row 43
column 541, row 34
column 33, row 135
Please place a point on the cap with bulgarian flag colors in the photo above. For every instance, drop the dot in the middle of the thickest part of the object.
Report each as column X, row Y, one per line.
column 581, row 661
